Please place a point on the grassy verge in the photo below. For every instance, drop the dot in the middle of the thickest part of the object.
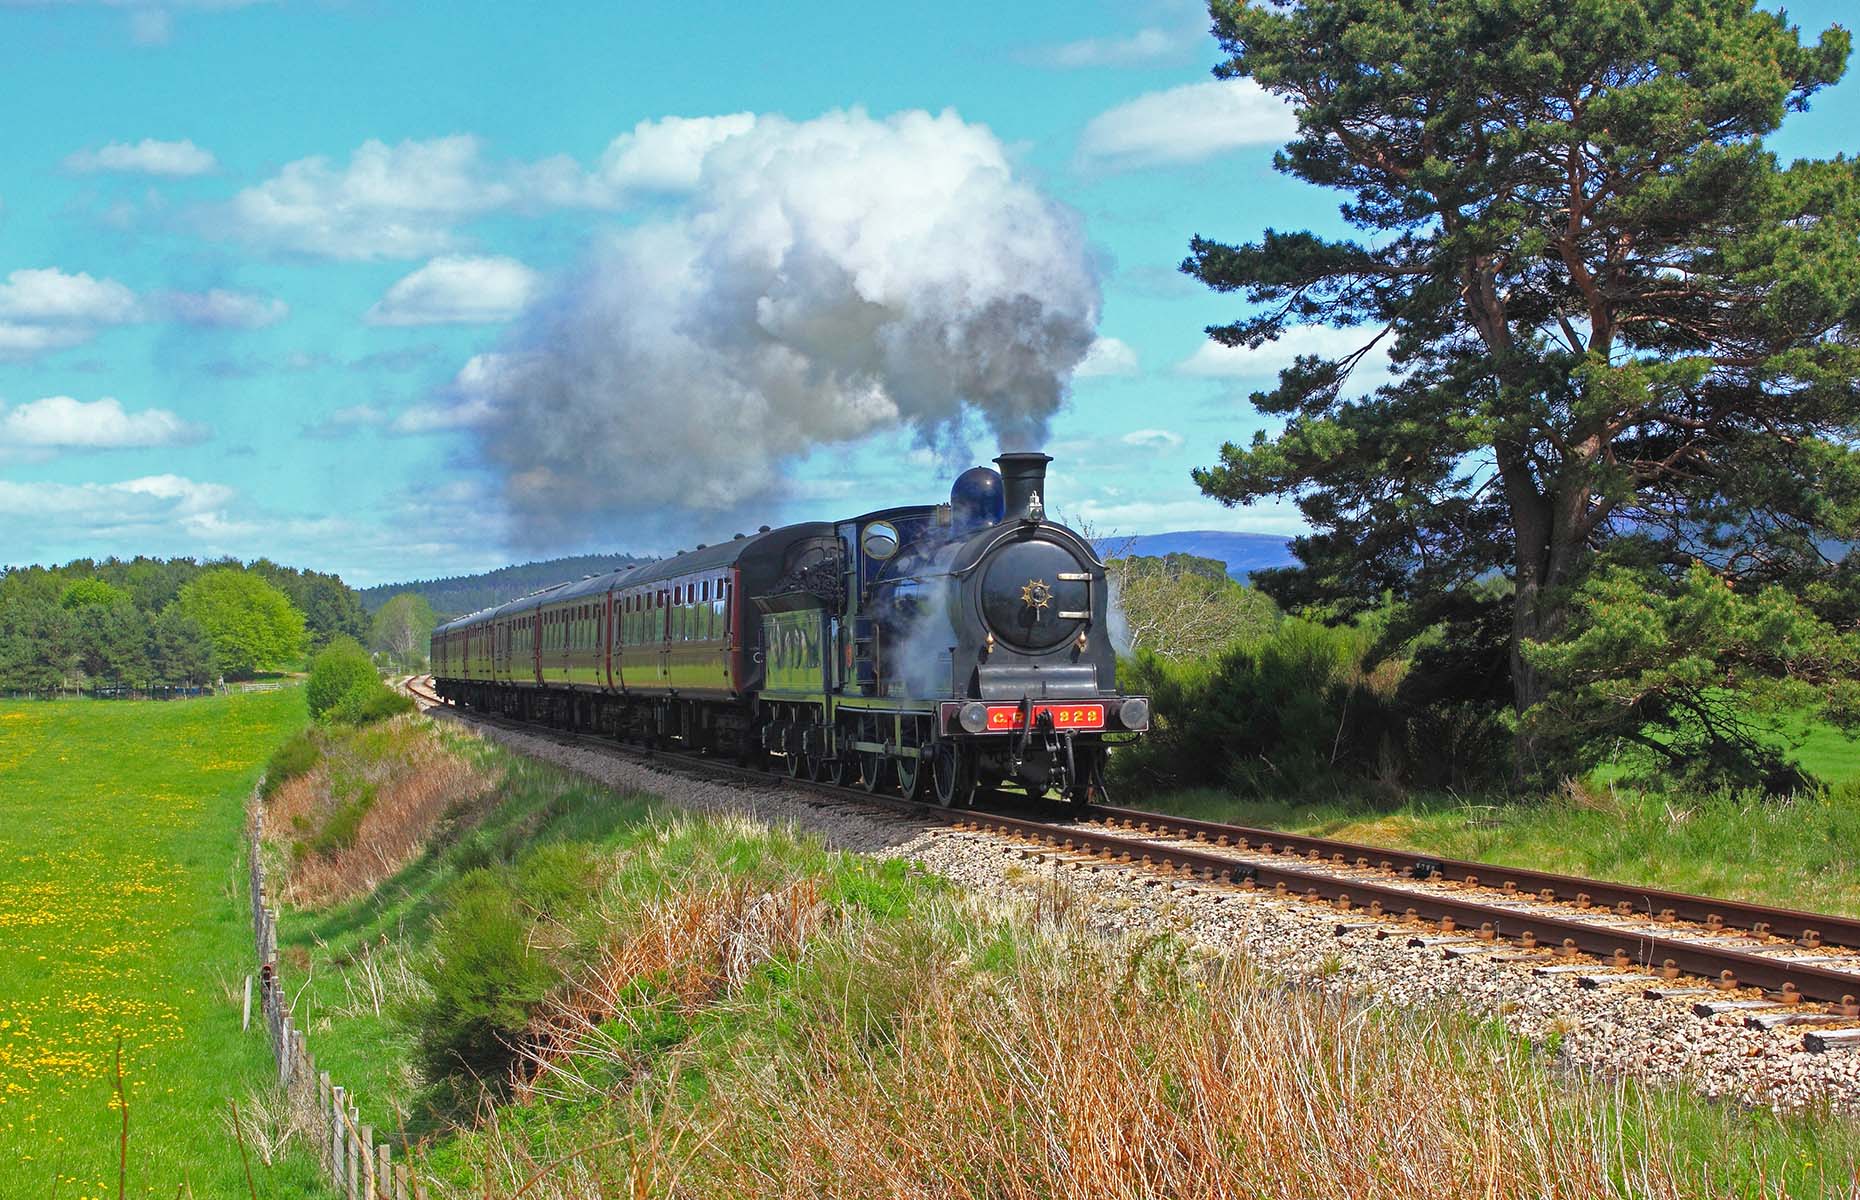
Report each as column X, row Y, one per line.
column 567, row 992
column 122, row 915
column 1802, row 852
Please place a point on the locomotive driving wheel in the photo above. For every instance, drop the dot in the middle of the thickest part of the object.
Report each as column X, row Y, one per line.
column 911, row 764
column 952, row 775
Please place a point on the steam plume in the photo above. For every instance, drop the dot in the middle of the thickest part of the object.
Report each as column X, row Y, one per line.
column 823, row 280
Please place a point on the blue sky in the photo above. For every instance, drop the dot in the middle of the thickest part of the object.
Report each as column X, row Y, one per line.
column 392, row 289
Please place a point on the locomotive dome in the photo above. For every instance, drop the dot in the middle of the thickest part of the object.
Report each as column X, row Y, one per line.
column 977, row 498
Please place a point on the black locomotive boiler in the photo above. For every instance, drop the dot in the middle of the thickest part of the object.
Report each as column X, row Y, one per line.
column 937, row 649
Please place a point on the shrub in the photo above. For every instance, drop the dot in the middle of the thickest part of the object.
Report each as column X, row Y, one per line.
column 299, row 756
column 486, row 980
column 1289, row 711
column 337, row 670
column 366, row 706
column 345, row 687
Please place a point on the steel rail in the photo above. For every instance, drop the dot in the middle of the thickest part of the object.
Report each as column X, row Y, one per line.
column 1648, row 950
column 1652, row 952
column 1808, row 929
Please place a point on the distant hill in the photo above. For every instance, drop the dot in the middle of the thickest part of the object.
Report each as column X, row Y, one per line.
column 462, row 594
column 1243, row 553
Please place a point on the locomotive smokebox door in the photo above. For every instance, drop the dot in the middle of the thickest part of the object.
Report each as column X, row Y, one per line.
column 1033, row 596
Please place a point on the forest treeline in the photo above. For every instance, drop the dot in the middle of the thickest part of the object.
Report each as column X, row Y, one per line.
column 456, row 595
column 149, row 624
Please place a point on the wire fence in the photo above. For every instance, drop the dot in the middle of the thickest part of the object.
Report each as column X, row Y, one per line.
column 357, row 1166
column 117, row 690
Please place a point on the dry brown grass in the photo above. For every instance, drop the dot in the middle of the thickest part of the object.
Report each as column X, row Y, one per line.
column 410, row 779
column 693, row 946
column 1082, row 1070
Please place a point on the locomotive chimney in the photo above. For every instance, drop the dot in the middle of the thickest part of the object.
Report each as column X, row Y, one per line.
column 1023, row 482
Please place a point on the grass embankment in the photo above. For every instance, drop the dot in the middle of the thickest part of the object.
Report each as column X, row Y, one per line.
column 1801, row 852
column 123, row 914
column 580, row 992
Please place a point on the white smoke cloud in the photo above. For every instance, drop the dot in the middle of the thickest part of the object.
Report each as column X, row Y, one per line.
column 823, row 280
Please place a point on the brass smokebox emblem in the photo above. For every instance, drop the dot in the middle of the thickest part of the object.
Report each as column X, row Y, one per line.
column 1036, row 594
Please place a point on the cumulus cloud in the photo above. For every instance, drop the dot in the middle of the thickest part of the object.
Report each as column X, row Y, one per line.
column 1212, row 360
column 1185, row 124
column 146, row 157
column 50, row 295
column 131, row 507
column 63, row 423
column 471, row 400
column 824, row 279
column 396, row 201
column 225, row 309
column 346, row 421
column 1152, row 439
column 455, row 290
column 44, row 309
column 665, row 155
column 1107, row 356
column 1135, row 49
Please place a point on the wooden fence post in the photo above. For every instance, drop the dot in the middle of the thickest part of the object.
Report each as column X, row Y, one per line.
column 368, row 1162
column 384, row 1173
column 354, row 1151
column 336, row 1143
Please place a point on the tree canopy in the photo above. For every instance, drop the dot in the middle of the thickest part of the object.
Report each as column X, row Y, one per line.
column 1621, row 334
column 403, row 627
column 252, row 624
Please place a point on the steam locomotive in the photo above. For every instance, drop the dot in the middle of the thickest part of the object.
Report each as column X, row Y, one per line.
column 941, row 650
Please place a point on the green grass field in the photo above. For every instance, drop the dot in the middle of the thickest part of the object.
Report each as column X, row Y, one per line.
column 123, row 915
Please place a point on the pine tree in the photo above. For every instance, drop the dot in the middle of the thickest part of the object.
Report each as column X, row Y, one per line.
column 1624, row 335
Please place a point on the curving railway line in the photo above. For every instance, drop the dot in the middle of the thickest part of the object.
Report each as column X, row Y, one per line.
column 1775, row 967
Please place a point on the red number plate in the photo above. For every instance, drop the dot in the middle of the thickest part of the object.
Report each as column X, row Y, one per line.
column 1065, row 716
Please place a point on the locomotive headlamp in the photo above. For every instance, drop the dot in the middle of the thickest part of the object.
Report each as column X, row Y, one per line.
column 1134, row 713
column 973, row 717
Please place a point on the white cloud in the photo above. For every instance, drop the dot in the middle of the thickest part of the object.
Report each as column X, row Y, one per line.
column 406, row 200
column 146, row 157
column 471, row 401
column 454, row 290
column 1215, row 361
column 44, row 309
column 1107, row 356
column 62, row 423
column 1185, row 124
column 395, row 201
column 225, row 309
column 667, row 154
column 132, row 507
column 1143, row 46
column 50, row 295
column 30, row 341
column 345, row 421
column 1152, row 439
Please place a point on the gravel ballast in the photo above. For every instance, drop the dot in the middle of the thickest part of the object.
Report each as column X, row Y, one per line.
column 1608, row 1030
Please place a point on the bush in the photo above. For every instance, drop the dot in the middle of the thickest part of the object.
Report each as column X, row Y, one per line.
column 366, row 706
column 345, row 687
column 486, row 980
column 299, row 756
column 340, row 668
column 1287, row 712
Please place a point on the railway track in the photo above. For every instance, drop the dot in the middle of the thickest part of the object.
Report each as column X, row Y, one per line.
column 1774, row 967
